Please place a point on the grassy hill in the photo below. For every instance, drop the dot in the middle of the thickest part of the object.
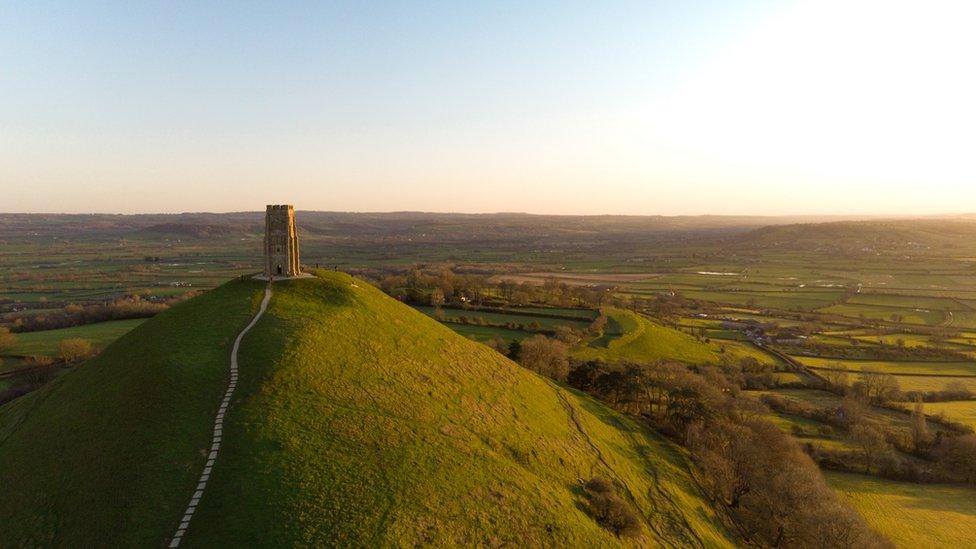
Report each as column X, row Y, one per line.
column 631, row 337
column 357, row 421
column 916, row 236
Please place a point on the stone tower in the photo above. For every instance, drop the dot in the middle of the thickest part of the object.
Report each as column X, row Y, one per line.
column 280, row 242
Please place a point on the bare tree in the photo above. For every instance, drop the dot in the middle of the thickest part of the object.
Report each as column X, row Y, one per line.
column 549, row 357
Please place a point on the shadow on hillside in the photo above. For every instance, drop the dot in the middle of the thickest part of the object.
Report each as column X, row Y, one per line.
column 613, row 331
column 603, row 412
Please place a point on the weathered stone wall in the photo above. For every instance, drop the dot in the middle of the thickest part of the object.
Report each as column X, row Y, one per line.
column 281, row 242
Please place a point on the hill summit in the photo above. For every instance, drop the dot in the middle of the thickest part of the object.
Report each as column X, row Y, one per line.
column 356, row 421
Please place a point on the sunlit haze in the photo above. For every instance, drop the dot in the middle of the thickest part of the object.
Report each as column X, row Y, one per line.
column 846, row 107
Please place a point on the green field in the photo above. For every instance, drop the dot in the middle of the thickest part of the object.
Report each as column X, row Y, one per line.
column 906, row 367
column 906, row 302
column 743, row 349
column 357, row 422
column 485, row 333
column 45, row 343
column 927, row 317
column 912, row 515
column 828, row 400
column 961, row 411
column 497, row 318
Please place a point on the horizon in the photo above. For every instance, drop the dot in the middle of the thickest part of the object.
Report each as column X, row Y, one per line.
column 630, row 109
column 828, row 216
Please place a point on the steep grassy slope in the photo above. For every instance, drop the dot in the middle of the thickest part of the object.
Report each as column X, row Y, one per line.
column 631, row 337
column 105, row 455
column 357, row 421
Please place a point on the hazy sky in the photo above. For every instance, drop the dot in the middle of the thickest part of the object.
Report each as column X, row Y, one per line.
column 550, row 107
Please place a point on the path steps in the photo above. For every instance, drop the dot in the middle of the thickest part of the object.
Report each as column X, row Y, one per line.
column 218, row 428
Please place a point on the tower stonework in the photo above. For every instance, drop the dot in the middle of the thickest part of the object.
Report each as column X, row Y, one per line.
column 280, row 242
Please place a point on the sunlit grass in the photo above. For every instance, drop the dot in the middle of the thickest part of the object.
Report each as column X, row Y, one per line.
column 912, row 515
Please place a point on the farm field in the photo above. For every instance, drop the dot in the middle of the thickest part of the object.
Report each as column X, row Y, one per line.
column 807, row 431
column 506, row 318
column 926, row 317
column 511, row 325
column 912, row 515
column 828, row 400
column 45, row 343
column 486, row 333
column 907, row 302
column 959, row 411
column 961, row 369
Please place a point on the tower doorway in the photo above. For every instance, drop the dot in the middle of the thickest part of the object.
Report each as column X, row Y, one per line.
column 279, row 269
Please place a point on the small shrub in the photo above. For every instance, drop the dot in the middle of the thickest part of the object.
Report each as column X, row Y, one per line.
column 7, row 339
column 610, row 510
column 74, row 349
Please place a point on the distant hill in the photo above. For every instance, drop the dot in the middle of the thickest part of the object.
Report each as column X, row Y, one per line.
column 357, row 421
column 413, row 225
column 196, row 230
column 880, row 236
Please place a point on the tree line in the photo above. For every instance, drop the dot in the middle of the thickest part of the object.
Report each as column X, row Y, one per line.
column 765, row 481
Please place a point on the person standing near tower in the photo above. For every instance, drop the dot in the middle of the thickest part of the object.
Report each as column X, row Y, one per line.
column 280, row 242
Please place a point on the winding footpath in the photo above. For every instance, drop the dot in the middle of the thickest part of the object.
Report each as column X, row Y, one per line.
column 218, row 427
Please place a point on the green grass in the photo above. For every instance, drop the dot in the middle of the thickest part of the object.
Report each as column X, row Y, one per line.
column 927, row 317
column 908, row 340
column 899, row 367
column 961, row 411
column 630, row 337
column 742, row 349
column 484, row 333
column 909, row 514
column 808, row 431
column 825, row 399
column 930, row 383
column 506, row 318
column 45, row 343
column 357, row 422
column 105, row 454
column 904, row 301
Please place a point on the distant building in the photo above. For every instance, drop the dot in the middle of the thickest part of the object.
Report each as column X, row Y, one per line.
column 281, row 242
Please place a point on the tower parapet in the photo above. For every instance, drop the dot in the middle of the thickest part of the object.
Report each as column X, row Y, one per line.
column 280, row 242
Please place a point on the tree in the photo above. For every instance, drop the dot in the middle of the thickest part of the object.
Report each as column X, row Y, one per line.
column 567, row 335
column 958, row 454
column 514, row 348
column 598, row 325
column 921, row 438
column 877, row 386
column 74, row 349
column 7, row 339
column 871, row 442
column 838, row 380
column 549, row 357
column 498, row 344
column 437, row 297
